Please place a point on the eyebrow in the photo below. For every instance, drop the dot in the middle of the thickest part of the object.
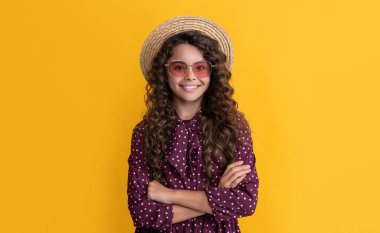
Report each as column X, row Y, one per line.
column 186, row 63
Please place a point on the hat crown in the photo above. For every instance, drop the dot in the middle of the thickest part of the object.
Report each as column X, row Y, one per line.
column 180, row 24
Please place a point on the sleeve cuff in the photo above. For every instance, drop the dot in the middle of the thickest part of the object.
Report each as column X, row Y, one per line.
column 166, row 216
column 214, row 196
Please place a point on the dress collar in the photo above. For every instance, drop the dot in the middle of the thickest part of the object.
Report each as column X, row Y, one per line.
column 193, row 123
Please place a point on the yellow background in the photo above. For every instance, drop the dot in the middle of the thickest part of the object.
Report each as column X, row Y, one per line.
column 306, row 75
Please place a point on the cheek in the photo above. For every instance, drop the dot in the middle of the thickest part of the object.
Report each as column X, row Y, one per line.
column 207, row 83
column 172, row 84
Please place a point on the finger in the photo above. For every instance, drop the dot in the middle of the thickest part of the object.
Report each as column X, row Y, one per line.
column 237, row 181
column 227, row 180
column 232, row 165
column 220, row 184
column 221, row 181
column 236, row 169
column 236, row 174
column 223, row 184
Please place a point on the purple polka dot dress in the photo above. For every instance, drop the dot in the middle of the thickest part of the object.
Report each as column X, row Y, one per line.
column 184, row 170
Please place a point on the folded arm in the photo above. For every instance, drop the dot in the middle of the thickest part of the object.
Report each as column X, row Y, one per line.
column 237, row 192
column 181, row 213
column 196, row 200
column 146, row 212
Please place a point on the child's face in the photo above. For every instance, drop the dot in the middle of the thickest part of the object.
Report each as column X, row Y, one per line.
column 183, row 87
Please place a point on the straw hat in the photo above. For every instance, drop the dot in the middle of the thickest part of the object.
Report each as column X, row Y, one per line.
column 180, row 24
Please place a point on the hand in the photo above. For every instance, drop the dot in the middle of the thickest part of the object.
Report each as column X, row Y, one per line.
column 234, row 174
column 159, row 192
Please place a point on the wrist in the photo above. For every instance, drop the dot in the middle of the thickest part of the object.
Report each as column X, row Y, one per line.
column 173, row 196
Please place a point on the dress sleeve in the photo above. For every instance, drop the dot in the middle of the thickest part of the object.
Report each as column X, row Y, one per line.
column 145, row 212
column 240, row 201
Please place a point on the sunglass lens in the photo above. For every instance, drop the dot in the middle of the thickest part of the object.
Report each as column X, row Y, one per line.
column 202, row 69
column 177, row 69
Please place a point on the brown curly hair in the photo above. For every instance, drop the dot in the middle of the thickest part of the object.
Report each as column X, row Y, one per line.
column 219, row 124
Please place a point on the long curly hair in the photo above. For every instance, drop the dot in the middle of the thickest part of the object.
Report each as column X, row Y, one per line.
column 219, row 110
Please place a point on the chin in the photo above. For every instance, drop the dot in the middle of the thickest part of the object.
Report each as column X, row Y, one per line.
column 189, row 98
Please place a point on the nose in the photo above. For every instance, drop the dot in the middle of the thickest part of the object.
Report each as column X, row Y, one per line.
column 190, row 73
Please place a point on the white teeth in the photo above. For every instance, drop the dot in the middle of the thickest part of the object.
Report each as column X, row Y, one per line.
column 189, row 87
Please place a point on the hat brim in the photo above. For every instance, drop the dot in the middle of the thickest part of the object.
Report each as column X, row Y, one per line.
column 181, row 24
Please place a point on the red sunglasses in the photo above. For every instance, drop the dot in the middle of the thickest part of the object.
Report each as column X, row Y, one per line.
column 179, row 69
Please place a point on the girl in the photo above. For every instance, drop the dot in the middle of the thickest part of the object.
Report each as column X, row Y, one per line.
column 192, row 166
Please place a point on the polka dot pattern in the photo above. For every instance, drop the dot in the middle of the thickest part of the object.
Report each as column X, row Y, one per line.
column 184, row 170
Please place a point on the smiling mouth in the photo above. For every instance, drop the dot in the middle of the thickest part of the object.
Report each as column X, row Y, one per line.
column 189, row 87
